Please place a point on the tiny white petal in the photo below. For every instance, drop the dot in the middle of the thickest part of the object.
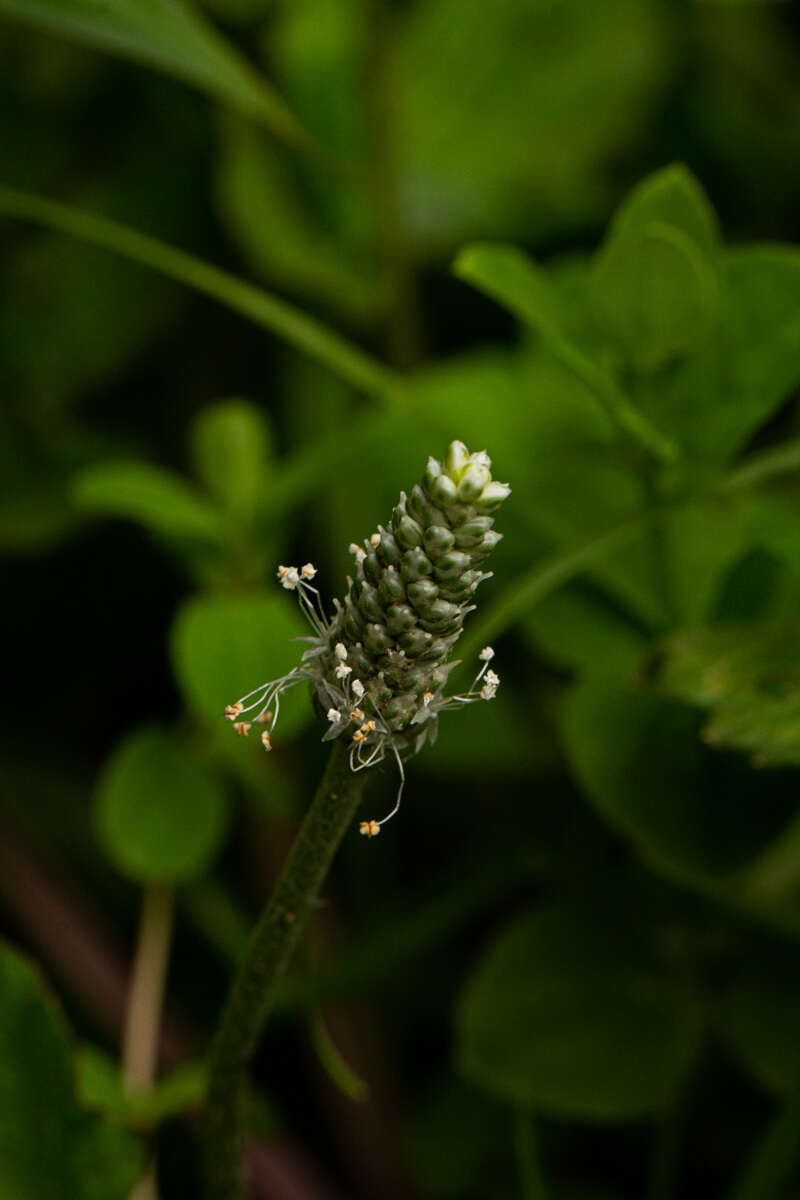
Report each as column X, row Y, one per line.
column 358, row 688
column 342, row 671
column 340, row 651
column 486, row 654
column 492, row 679
column 308, row 571
column 289, row 577
column 333, row 715
column 375, row 540
column 488, row 691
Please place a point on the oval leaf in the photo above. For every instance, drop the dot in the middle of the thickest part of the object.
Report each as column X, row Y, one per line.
column 159, row 816
column 563, row 1014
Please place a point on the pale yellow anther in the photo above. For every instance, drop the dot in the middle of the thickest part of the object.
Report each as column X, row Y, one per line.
column 266, row 741
column 375, row 540
column 232, row 710
column 358, row 736
column 357, row 714
column 370, row 829
column 242, row 728
column 265, row 717
column 426, row 698
column 368, row 727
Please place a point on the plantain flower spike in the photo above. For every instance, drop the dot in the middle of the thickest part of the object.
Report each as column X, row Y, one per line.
column 379, row 665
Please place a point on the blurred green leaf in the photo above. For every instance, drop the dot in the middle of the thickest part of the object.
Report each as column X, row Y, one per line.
column 749, row 676
column 640, row 761
column 141, row 492
column 768, row 1174
column 166, row 35
column 580, row 627
column 224, row 646
column 459, row 1143
column 715, row 398
column 671, row 196
column 523, row 287
column 101, row 1089
column 575, row 1018
column 48, row 1147
column 233, row 453
column 654, row 293
column 159, row 816
column 284, row 237
column 505, row 125
column 757, row 1017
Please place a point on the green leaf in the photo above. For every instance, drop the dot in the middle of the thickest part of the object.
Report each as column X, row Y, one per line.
column 693, row 814
column 49, row 1148
column 749, row 677
column 170, row 37
column 233, row 451
column 580, row 627
column 285, row 238
column 671, row 196
column 150, row 495
column 713, row 400
column 768, row 1174
column 568, row 1012
column 101, row 1089
column 489, row 146
column 224, row 646
column 523, row 287
column 159, row 816
column 757, row 1017
column 654, row 294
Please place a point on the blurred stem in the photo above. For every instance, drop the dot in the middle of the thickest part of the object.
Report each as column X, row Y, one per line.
column 664, row 1165
column 142, row 1031
column 404, row 331
column 527, row 1144
column 252, row 993
column 141, row 1034
column 305, row 333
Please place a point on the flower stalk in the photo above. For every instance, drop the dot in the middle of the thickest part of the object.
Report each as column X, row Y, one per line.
column 377, row 670
column 267, row 956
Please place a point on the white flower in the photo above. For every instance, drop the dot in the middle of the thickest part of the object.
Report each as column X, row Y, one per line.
column 492, row 679
column 486, row 654
column 289, row 577
column 488, row 691
column 308, row 571
column 342, row 670
column 340, row 650
column 358, row 689
column 375, row 540
column 333, row 715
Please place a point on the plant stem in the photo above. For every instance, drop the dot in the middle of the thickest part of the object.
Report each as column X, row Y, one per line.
column 270, row 948
column 143, row 1015
column 142, row 1031
column 530, row 1167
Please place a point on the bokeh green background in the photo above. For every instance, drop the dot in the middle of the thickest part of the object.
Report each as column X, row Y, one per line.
column 575, row 951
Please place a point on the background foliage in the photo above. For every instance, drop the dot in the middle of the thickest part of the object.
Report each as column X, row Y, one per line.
column 258, row 260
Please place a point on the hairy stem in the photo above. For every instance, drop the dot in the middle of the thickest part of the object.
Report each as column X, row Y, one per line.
column 265, row 960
